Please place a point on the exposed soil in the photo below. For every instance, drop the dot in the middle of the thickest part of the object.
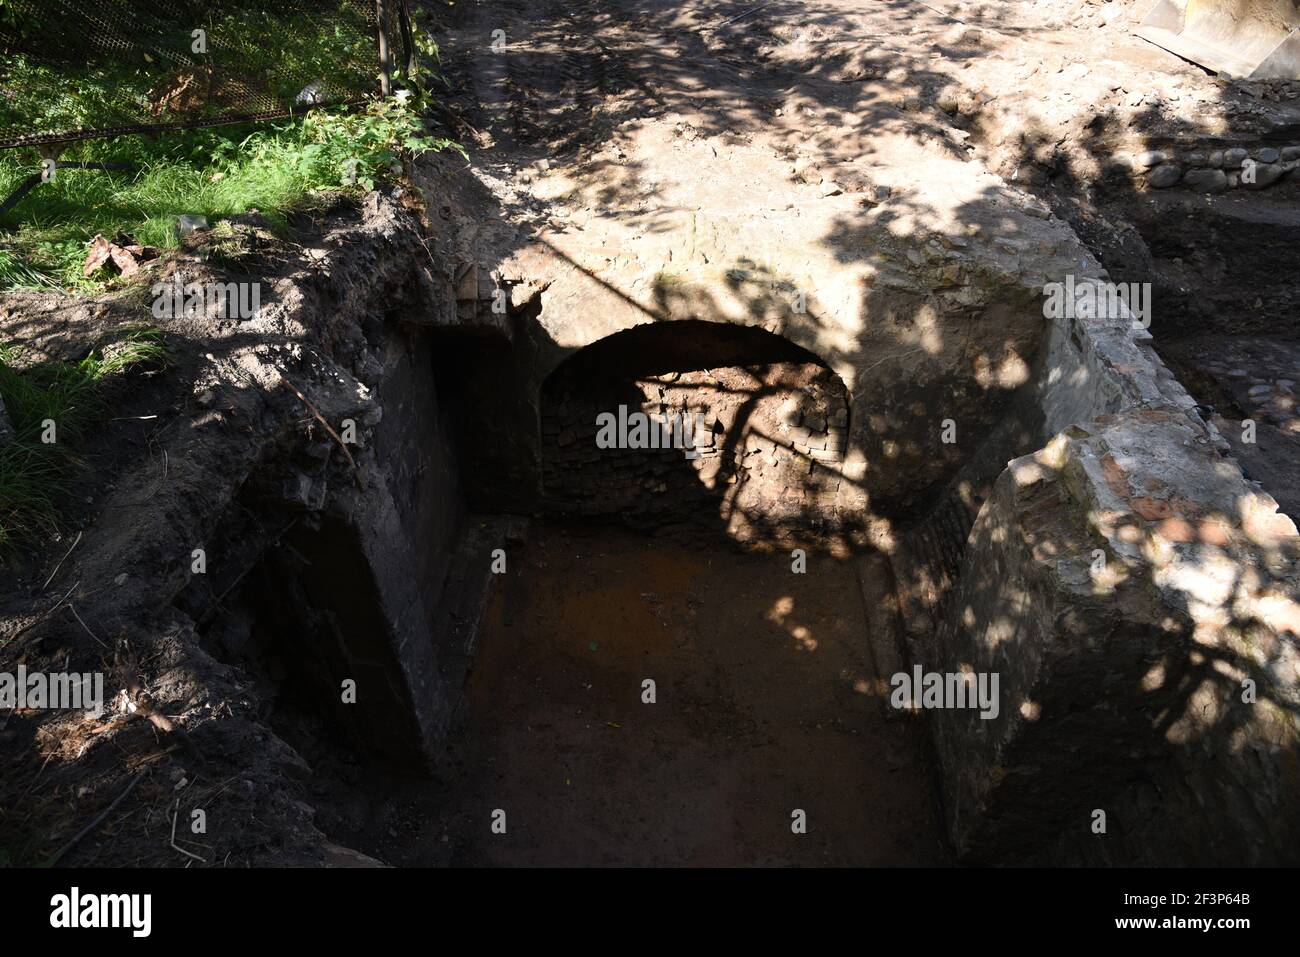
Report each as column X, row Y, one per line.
column 162, row 472
column 765, row 703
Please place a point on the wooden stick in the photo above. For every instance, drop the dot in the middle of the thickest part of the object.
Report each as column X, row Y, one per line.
column 72, row 608
column 175, row 846
column 61, row 561
column 321, row 419
column 745, row 14
column 98, row 819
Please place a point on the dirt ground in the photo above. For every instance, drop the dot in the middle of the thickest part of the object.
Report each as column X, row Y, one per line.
column 763, row 706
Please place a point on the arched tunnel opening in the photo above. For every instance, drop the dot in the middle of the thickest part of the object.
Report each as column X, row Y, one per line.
column 694, row 429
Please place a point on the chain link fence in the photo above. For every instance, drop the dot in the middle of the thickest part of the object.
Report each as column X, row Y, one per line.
column 83, row 69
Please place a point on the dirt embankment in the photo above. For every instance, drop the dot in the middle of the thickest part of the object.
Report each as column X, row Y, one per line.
column 217, row 453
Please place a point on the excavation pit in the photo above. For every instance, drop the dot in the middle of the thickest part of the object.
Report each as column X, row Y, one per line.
column 703, row 428
column 929, row 473
column 612, row 680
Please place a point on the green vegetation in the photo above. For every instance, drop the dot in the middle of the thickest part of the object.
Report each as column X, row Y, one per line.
column 212, row 173
column 257, row 57
column 260, row 56
column 122, row 62
column 34, row 473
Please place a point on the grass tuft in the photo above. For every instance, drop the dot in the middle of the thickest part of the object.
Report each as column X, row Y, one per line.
column 34, row 473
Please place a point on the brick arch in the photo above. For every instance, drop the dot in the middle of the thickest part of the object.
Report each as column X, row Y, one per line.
column 686, row 337
column 684, row 344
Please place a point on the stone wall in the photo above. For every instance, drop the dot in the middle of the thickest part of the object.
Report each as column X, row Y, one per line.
column 1208, row 168
column 1089, row 367
column 1124, row 582
column 1138, row 601
column 407, row 519
column 332, row 558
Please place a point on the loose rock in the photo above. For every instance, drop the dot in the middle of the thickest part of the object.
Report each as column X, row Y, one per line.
column 1262, row 174
column 1164, row 176
column 1206, row 180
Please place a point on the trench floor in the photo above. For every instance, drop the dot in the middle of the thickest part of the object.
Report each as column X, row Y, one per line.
column 763, row 706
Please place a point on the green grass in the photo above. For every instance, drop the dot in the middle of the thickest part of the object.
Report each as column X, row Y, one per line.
column 58, row 79
column 193, row 173
column 213, row 173
column 14, row 273
column 277, row 168
column 34, row 474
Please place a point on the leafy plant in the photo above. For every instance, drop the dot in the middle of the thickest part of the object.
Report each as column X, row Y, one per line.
column 213, row 173
column 368, row 145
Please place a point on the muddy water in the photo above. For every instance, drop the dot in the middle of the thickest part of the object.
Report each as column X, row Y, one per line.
column 763, row 706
